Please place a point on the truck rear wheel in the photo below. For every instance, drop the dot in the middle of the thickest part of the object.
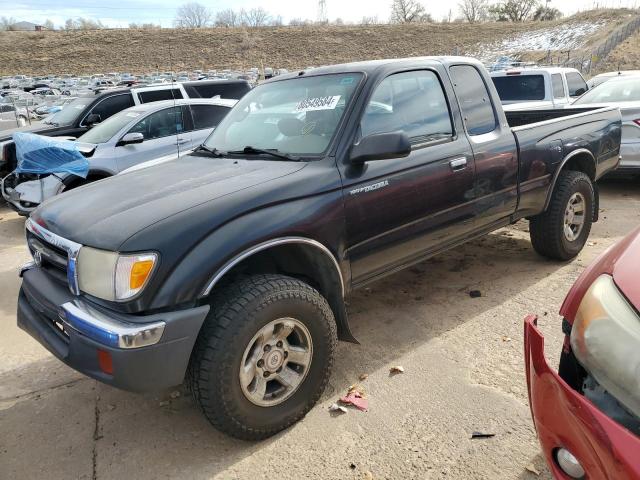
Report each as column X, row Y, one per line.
column 264, row 355
column 561, row 232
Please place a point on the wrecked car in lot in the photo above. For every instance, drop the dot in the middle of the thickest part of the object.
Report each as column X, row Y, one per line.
column 587, row 415
column 234, row 274
column 152, row 131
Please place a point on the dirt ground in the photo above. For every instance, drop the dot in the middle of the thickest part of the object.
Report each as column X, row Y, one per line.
column 463, row 373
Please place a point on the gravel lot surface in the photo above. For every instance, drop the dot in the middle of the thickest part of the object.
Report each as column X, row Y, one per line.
column 463, row 372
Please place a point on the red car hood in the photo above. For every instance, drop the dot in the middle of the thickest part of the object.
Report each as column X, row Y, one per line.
column 622, row 261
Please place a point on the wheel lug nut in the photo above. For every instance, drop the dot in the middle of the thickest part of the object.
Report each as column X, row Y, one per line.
column 260, row 363
column 267, row 348
column 279, row 344
column 266, row 374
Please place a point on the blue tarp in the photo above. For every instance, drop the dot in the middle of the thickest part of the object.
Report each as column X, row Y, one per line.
column 38, row 154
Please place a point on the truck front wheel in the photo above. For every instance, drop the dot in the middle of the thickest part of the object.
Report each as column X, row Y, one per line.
column 561, row 232
column 263, row 356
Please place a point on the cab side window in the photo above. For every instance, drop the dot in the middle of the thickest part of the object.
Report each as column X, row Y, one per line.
column 112, row 105
column 474, row 98
column 577, row 85
column 558, row 85
column 411, row 102
column 160, row 124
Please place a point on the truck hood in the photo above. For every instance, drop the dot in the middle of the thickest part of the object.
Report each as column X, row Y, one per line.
column 106, row 213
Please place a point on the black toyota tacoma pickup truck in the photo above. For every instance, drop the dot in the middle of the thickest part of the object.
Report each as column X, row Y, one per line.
column 230, row 267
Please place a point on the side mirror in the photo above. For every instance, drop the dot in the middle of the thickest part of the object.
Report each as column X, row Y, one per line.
column 380, row 146
column 92, row 119
column 131, row 138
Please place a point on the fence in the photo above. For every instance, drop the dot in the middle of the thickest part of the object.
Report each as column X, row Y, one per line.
column 588, row 63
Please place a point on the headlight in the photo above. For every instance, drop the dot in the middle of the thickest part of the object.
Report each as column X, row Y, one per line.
column 112, row 276
column 605, row 338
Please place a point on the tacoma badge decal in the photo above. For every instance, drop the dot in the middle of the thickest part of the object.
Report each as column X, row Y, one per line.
column 370, row 188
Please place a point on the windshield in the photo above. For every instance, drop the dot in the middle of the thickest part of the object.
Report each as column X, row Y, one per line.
column 615, row 90
column 104, row 131
column 520, row 87
column 298, row 116
column 69, row 114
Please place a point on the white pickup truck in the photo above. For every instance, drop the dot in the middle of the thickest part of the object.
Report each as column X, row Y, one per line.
column 536, row 87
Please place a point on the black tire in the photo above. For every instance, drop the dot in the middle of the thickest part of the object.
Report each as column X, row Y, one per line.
column 238, row 312
column 547, row 229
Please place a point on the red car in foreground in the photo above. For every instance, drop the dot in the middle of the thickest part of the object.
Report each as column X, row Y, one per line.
column 587, row 415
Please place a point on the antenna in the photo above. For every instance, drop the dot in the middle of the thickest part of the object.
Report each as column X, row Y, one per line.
column 173, row 96
column 323, row 16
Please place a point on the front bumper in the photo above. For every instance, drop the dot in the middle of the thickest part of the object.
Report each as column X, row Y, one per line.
column 152, row 367
column 565, row 419
column 25, row 197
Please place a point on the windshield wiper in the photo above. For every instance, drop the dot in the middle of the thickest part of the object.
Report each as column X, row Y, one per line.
column 212, row 151
column 249, row 150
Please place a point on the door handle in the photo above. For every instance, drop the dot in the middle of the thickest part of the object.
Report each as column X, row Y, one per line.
column 458, row 164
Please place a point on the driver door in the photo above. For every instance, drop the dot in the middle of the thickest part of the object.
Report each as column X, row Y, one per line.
column 400, row 209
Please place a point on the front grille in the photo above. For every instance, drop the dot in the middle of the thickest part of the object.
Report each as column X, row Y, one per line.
column 51, row 256
column 55, row 255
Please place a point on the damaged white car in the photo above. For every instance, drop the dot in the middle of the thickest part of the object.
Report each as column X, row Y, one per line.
column 151, row 131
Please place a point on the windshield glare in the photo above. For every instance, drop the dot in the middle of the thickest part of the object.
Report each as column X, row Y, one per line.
column 71, row 112
column 298, row 116
column 104, row 131
column 616, row 90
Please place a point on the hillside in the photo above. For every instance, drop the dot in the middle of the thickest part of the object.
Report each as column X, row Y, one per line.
column 137, row 51
column 625, row 56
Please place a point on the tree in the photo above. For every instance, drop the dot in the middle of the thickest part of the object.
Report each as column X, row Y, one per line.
column 143, row 26
column 299, row 22
column 227, row 18
column 371, row 20
column 255, row 17
column 474, row 10
column 6, row 23
column 192, row 15
column 408, row 11
column 48, row 24
column 544, row 14
column 514, row 10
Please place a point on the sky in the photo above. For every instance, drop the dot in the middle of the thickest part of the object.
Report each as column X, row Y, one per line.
column 120, row 13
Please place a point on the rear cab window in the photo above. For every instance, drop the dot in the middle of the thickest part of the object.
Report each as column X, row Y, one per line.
column 520, row 87
column 477, row 109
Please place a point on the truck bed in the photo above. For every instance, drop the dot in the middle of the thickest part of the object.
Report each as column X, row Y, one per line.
column 518, row 118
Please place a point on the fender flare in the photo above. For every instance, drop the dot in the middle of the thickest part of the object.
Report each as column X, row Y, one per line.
column 576, row 152
column 341, row 316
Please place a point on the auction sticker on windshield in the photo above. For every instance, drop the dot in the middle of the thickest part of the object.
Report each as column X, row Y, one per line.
column 318, row 103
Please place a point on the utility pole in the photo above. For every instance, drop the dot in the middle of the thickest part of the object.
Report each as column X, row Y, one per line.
column 323, row 16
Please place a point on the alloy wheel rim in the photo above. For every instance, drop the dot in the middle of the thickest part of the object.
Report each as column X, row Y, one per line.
column 574, row 216
column 276, row 362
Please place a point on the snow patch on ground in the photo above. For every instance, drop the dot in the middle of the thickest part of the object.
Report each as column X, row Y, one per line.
column 561, row 37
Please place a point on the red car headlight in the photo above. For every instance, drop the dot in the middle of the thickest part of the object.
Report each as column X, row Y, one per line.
column 605, row 338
